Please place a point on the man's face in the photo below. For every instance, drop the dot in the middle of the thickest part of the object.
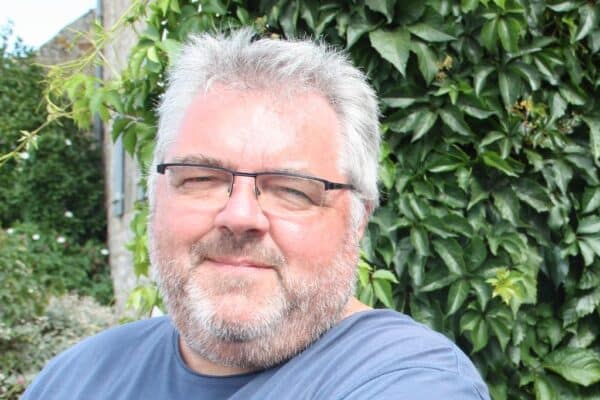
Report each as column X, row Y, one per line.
column 247, row 288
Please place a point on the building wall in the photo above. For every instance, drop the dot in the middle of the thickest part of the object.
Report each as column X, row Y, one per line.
column 70, row 43
column 122, row 175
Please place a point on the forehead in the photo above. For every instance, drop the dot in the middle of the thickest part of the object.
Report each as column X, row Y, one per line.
column 260, row 129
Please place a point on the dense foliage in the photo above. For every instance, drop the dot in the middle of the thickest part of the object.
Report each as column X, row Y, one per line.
column 489, row 230
column 27, row 346
column 52, row 221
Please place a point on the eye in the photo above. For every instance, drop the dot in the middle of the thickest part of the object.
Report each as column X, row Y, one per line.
column 288, row 192
column 292, row 194
column 194, row 178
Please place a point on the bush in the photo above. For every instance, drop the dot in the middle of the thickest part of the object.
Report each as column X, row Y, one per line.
column 59, row 186
column 35, row 263
column 61, row 173
column 28, row 345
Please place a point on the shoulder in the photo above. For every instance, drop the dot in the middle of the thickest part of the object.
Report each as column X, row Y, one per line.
column 117, row 339
column 106, row 351
column 407, row 357
column 385, row 354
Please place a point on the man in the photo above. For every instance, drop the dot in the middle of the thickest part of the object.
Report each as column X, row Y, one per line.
column 264, row 176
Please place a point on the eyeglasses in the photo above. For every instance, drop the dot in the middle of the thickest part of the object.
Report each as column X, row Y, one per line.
column 276, row 192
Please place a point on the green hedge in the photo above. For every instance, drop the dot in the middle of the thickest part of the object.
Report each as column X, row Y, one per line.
column 489, row 229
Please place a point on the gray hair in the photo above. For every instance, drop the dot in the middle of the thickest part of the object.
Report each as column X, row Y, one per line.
column 239, row 61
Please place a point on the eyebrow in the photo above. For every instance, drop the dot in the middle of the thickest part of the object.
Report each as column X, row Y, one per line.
column 201, row 159
column 214, row 162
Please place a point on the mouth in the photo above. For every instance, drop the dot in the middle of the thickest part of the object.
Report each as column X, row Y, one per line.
column 237, row 263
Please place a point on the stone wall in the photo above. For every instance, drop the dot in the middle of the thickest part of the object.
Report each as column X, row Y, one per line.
column 70, row 43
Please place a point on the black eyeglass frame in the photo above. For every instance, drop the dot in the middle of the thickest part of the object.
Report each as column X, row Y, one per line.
column 328, row 185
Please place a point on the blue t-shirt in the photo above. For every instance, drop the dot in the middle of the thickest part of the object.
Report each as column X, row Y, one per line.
column 377, row 354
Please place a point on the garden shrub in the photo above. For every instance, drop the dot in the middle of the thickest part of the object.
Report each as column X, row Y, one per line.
column 37, row 262
column 59, row 186
column 489, row 228
column 25, row 347
column 21, row 102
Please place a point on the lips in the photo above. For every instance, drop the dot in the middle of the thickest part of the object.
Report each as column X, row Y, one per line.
column 238, row 263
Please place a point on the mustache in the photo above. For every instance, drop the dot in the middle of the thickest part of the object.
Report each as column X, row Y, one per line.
column 227, row 244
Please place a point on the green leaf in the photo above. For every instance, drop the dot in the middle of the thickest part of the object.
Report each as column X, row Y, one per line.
column 507, row 204
column 543, row 390
column 586, row 252
column 591, row 199
column 454, row 120
column 451, row 253
column 172, row 48
column 493, row 159
column 427, row 60
column 423, row 124
column 590, row 278
column 589, row 225
column 593, row 242
column 386, row 7
column 429, row 33
column 509, row 30
column 588, row 15
column 420, row 241
column 393, row 46
column 152, row 54
column 489, row 34
column 398, row 102
column 572, row 95
column 480, row 78
column 529, row 73
column 558, row 106
column 458, row 224
column 383, row 292
column 593, row 124
column 458, row 293
column 416, row 269
column 500, row 322
column 385, row 274
column 482, row 291
column 581, row 366
column 534, row 194
column 479, row 335
column 565, row 6
column 214, row 7
column 130, row 139
column 511, row 87
column 468, row 5
column 357, row 28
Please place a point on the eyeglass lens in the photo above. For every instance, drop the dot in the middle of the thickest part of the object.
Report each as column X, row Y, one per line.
column 275, row 193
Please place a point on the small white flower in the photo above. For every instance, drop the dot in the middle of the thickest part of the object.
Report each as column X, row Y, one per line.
column 68, row 214
column 104, row 252
column 24, row 155
column 68, row 142
column 35, row 236
column 10, row 231
column 61, row 239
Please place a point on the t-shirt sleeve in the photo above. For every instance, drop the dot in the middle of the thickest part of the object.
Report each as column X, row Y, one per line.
column 419, row 384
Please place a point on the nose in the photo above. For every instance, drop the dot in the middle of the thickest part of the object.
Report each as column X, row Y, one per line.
column 242, row 213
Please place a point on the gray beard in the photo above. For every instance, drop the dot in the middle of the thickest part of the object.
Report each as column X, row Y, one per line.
column 297, row 316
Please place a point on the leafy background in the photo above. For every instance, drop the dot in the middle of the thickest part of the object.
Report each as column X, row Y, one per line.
column 489, row 229
column 52, row 226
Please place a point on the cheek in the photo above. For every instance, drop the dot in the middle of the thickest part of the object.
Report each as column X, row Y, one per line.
column 314, row 242
column 174, row 220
